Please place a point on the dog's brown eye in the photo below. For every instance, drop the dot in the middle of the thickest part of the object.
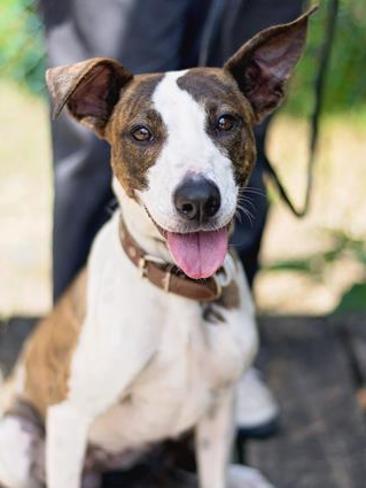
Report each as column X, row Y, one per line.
column 225, row 123
column 141, row 134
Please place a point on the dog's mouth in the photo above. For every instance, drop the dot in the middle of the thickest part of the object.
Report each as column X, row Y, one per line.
column 198, row 254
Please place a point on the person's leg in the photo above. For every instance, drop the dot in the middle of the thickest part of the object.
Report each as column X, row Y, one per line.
column 82, row 194
column 144, row 35
column 249, row 227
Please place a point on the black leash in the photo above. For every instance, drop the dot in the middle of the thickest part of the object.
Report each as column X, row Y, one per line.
column 319, row 87
column 210, row 30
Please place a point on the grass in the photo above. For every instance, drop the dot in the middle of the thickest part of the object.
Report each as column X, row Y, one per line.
column 296, row 277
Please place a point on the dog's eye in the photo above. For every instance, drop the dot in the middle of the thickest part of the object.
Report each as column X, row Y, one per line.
column 225, row 122
column 141, row 134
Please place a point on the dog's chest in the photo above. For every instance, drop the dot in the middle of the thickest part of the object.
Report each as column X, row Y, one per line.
column 192, row 362
column 148, row 365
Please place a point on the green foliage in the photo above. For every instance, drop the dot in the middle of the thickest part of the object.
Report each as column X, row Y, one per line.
column 341, row 244
column 21, row 44
column 316, row 265
column 354, row 300
column 346, row 86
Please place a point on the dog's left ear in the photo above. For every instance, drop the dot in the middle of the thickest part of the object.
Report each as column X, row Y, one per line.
column 265, row 63
column 90, row 90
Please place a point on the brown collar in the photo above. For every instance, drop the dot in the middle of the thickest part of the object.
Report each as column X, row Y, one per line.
column 167, row 276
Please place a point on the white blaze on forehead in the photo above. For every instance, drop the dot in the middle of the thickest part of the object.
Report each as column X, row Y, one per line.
column 184, row 118
column 188, row 149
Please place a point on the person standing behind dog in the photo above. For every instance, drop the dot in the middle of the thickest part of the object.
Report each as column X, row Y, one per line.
column 148, row 36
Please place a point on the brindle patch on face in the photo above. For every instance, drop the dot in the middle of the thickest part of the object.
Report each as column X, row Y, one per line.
column 219, row 94
column 130, row 158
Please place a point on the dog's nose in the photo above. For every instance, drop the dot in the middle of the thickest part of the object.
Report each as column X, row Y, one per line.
column 197, row 199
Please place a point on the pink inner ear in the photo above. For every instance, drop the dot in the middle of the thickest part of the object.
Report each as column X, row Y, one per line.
column 279, row 57
column 262, row 87
column 90, row 99
column 265, row 63
column 268, row 70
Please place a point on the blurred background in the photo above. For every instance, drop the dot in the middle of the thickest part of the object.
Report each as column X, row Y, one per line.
column 316, row 265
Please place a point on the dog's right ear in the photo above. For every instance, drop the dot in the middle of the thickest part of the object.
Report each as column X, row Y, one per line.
column 89, row 89
column 263, row 66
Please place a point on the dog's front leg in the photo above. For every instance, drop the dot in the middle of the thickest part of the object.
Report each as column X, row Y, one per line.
column 214, row 436
column 66, row 440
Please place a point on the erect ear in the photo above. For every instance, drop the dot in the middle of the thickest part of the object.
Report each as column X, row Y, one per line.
column 265, row 63
column 89, row 89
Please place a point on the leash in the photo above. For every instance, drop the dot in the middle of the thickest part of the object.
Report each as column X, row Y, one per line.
column 319, row 89
column 211, row 30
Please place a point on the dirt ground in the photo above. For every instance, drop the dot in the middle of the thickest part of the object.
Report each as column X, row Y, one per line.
column 338, row 204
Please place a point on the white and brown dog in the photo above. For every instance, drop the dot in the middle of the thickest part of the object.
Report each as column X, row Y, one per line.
column 151, row 340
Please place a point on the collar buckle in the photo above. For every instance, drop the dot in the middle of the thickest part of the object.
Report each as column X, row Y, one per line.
column 167, row 278
column 147, row 258
column 142, row 266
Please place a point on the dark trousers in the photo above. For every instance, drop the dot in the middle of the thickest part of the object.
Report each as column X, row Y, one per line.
column 146, row 36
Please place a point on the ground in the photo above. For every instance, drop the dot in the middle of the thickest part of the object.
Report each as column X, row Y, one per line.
column 338, row 205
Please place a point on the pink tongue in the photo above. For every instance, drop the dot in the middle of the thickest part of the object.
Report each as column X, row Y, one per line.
column 199, row 254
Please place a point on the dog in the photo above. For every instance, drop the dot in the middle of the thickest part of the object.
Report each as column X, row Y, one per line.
column 152, row 338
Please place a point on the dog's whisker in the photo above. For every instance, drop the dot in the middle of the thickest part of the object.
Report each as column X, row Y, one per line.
column 238, row 216
column 248, row 201
column 242, row 211
column 253, row 191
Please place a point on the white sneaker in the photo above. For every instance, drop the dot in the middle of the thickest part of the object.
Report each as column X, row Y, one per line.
column 246, row 477
column 256, row 408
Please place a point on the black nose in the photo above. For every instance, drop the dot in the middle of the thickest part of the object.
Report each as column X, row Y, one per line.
column 197, row 199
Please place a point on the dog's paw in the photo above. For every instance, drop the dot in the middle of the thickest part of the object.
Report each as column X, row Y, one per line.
column 245, row 477
column 16, row 449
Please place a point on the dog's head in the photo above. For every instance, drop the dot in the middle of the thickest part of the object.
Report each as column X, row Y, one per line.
column 182, row 142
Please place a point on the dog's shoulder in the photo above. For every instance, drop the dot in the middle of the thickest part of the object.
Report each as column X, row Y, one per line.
column 48, row 353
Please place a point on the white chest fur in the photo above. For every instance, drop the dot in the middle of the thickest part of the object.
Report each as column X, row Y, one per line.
column 147, row 365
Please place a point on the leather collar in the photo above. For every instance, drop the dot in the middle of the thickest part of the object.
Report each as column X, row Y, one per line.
column 169, row 277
